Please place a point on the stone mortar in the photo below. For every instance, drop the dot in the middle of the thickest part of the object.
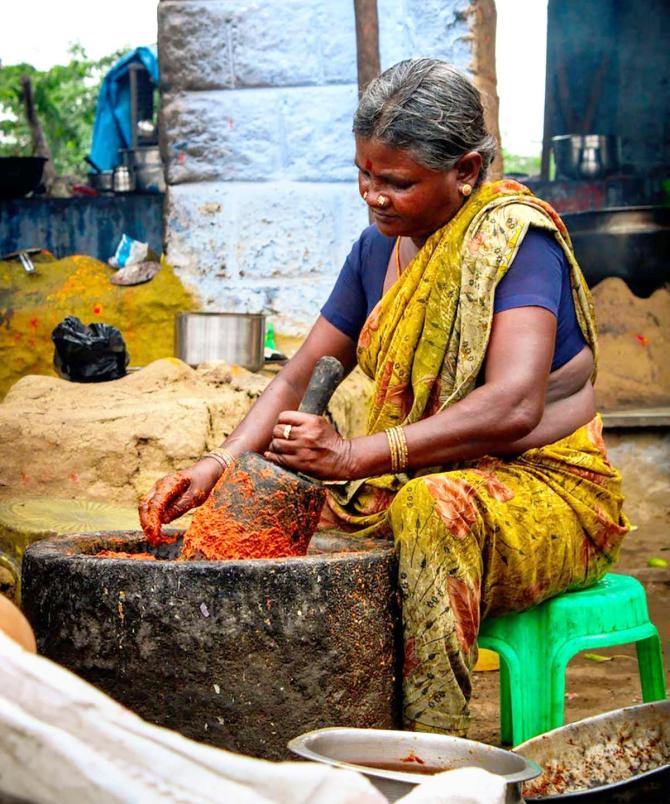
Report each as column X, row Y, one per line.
column 244, row 655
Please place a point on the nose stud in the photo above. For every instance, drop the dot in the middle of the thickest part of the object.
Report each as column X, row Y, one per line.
column 382, row 201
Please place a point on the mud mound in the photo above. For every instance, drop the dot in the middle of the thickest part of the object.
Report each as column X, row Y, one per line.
column 634, row 346
column 110, row 441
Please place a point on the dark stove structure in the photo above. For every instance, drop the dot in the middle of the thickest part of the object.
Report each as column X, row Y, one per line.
column 607, row 75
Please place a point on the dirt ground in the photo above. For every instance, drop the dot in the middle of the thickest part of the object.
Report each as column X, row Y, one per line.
column 595, row 687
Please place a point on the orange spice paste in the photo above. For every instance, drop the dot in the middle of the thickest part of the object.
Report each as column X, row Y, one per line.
column 114, row 554
column 234, row 525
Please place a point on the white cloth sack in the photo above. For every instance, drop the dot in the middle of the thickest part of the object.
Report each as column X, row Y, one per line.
column 61, row 740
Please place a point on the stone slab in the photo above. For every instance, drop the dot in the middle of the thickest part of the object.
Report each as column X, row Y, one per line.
column 301, row 134
column 281, row 243
column 25, row 519
column 209, row 44
column 338, row 41
column 440, row 29
column 277, row 44
column 222, row 135
column 317, row 122
column 637, row 417
column 194, row 46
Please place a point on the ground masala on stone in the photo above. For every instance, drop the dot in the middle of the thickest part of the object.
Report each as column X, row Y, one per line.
column 122, row 554
column 254, row 511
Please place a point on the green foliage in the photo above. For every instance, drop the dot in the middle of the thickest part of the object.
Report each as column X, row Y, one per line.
column 65, row 97
column 527, row 165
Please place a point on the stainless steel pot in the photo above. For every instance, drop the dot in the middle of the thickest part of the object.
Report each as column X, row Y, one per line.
column 102, row 181
column 123, row 180
column 378, row 753
column 586, row 156
column 147, row 165
column 231, row 337
column 632, row 243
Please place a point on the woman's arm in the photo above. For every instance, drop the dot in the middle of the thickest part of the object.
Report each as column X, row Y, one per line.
column 494, row 419
column 562, row 416
column 287, row 389
column 174, row 495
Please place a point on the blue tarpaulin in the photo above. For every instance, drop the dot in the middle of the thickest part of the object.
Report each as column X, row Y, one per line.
column 111, row 129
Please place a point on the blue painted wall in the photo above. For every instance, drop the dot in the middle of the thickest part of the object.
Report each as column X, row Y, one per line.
column 90, row 226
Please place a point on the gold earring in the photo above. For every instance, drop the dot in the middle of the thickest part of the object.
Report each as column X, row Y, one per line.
column 365, row 196
column 466, row 189
column 381, row 201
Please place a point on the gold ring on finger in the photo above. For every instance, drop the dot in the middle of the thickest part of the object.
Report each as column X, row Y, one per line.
column 287, row 431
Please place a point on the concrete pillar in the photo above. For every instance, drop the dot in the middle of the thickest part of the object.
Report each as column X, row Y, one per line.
column 257, row 100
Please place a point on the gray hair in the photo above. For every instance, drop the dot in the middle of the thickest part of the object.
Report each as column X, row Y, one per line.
column 429, row 109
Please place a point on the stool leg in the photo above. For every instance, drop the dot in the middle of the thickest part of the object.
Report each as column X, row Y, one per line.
column 557, row 695
column 531, row 699
column 528, row 682
column 532, row 674
column 506, row 725
column 650, row 664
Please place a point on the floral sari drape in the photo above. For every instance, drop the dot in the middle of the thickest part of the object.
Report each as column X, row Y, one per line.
column 485, row 536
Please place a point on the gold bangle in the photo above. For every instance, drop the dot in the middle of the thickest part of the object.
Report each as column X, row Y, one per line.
column 392, row 450
column 402, row 443
column 397, row 448
column 224, row 458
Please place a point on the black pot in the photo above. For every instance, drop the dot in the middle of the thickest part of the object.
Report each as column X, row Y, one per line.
column 102, row 181
column 632, row 243
column 20, row 175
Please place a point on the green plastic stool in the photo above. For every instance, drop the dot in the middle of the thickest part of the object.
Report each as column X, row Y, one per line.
column 536, row 645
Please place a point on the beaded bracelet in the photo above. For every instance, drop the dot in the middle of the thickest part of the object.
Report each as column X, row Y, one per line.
column 222, row 457
column 397, row 448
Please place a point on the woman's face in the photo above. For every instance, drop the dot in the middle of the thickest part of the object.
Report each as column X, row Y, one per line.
column 418, row 200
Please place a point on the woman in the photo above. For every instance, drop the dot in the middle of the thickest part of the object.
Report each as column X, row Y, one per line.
column 484, row 459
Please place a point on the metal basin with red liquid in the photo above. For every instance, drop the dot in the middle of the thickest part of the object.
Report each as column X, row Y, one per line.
column 240, row 654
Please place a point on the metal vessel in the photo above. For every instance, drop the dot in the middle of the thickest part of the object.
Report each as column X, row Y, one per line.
column 102, row 181
column 20, row 175
column 123, row 180
column 378, row 753
column 586, row 156
column 612, row 758
column 146, row 164
column 230, row 337
column 632, row 243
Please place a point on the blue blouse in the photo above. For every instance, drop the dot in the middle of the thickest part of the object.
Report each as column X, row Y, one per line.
column 539, row 276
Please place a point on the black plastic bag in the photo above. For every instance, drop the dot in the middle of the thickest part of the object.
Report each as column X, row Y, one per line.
column 92, row 353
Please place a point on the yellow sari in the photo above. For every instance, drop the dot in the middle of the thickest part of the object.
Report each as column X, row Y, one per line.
column 487, row 536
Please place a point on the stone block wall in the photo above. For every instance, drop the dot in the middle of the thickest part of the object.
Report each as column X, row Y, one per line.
column 257, row 103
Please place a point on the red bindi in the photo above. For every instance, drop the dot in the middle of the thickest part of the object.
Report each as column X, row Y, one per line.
column 368, row 165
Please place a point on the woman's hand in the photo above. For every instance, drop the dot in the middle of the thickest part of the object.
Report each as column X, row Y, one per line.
column 312, row 447
column 175, row 494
